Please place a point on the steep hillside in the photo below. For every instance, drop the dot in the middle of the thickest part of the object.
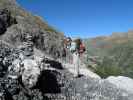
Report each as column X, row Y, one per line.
column 44, row 37
column 115, row 51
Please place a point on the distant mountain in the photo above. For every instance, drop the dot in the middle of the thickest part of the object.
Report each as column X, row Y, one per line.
column 115, row 51
column 107, row 42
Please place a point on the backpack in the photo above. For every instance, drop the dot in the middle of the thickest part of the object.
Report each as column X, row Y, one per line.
column 82, row 48
column 78, row 42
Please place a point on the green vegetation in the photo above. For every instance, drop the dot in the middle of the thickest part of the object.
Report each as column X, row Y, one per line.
column 115, row 60
column 108, row 68
column 104, row 71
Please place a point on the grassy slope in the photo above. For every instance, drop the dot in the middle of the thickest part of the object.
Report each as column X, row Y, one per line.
column 116, row 52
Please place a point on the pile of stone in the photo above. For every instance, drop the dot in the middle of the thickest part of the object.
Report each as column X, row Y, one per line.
column 28, row 45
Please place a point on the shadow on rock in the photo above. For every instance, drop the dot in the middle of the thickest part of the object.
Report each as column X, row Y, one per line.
column 54, row 64
column 47, row 82
column 6, row 20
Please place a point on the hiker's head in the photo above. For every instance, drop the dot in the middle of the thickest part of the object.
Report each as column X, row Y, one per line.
column 67, row 42
column 69, row 39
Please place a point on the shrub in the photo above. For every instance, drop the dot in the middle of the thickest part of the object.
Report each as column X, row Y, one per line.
column 104, row 71
column 108, row 67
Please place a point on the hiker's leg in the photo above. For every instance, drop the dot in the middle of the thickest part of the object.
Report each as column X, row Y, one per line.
column 71, row 58
column 78, row 64
column 66, row 57
column 75, row 64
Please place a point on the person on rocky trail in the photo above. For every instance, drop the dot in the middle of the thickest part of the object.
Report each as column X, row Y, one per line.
column 67, row 45
column 68, row 41
column 77, row 48
column 82, row 50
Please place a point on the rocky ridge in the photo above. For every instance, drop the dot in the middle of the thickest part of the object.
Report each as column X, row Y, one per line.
column 15, row 22
column 26, row 78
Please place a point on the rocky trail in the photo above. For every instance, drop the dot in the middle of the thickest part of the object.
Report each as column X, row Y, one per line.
column 88, row 87
column 83, row 70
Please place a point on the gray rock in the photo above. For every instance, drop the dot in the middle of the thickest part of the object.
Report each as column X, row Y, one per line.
column 122, row 82
column 6, row 20
column 87, row 88
column 30, row 72
column 45, row 38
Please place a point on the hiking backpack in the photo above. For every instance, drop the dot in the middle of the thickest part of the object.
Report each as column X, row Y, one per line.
column 82, row 48
column 78, row 42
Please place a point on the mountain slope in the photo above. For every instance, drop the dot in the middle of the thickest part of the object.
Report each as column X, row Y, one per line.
column 115, row 52
column 45, row 37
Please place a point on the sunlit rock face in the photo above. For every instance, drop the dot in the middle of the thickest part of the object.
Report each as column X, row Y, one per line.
column 30, row 73
column 15, row 22
column 122, row 82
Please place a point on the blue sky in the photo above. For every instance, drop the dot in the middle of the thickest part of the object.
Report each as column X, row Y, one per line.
column 84, row 18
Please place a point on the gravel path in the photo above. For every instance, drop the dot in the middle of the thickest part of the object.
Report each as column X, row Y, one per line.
column 83, row 71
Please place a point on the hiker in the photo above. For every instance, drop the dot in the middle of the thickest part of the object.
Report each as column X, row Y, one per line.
column 67, row 45
column 82, row 50
column 77, row 48
column 68, row 42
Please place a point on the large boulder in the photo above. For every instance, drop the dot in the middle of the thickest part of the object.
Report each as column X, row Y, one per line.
column 31, row 72
column 122, row 82
column 7, row 56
